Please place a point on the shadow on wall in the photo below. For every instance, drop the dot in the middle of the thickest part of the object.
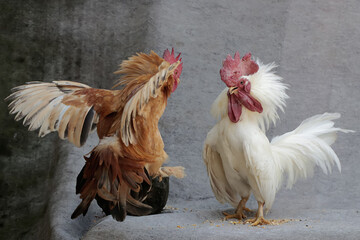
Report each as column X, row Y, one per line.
column 44, row 41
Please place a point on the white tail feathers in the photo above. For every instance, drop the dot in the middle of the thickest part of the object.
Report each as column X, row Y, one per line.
column 297, row 152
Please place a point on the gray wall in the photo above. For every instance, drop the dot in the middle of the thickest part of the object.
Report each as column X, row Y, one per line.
column 315, row 44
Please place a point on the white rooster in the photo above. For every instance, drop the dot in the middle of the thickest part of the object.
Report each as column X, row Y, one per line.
column 240, row 159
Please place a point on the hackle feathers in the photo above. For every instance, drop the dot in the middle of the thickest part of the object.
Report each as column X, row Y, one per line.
column 122, row 117
column 240, row 158
column 134, row 105
column 269, row 90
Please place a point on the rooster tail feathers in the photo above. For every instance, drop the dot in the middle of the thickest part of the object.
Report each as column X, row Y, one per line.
column 118, row 212
column 118, row 208
column 297, row 152
column 137, row 208
column 109, row 177
column 82, row 208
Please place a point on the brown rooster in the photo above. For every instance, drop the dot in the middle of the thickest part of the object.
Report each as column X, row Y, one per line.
column 130, row 147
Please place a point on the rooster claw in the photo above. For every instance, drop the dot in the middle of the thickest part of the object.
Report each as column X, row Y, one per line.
column 258, row 221
column 239, row 216
column 177, row 172
column 248, row 209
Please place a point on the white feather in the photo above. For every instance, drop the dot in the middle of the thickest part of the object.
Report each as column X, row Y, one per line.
column 268, row 88
column 221, row 188
column 239, row 157
column 308, row 145
column 219, row 107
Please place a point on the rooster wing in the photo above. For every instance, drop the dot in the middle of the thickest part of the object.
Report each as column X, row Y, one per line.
column 70, row 108
column 214, row 165
column 123, row 119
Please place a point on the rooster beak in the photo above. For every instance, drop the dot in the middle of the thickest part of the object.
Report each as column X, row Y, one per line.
column 233, row 90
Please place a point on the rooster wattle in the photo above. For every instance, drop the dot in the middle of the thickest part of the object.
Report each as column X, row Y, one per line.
column 130, row 150
column 240, row 159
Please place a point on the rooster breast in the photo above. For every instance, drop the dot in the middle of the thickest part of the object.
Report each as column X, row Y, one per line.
column 230, row 145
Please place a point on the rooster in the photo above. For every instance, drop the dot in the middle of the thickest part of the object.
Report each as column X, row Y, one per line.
column 240, row 159
column 130, row 150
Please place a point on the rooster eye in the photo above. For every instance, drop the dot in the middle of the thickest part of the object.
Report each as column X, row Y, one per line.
column 242, row 82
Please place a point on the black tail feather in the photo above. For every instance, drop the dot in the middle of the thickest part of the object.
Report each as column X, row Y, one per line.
column 136, row 208
column 80, row 180
column 151, row 199
column 118, row 212
column 81, row 209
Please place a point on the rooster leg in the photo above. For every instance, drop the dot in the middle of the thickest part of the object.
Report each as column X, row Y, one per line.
column 239, row 213
column 243, row 202
column 259, row 220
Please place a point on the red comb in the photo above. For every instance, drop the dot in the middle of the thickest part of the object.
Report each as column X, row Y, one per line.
column 236, row 66
column 170, row 57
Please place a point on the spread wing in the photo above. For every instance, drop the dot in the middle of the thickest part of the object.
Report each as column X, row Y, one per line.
column 70, row 108
column 264, row 176
column 219, row 184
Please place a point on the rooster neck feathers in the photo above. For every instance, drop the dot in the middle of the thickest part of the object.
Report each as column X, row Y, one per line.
column 241, row 160
column 130, row 149
column 137, row 71
column 143, row 77
column 267, row 88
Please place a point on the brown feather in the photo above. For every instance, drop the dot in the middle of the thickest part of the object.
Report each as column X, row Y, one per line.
column 79, row 123
column 127, row 126
column 137, row 208
column 63, row 127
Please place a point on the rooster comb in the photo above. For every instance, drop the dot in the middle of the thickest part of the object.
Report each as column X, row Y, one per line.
column 240, row 66
column 170, row 57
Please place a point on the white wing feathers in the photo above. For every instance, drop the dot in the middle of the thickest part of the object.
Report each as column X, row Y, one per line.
column 40, row 104
column 265, row 164
column 218, row 181
column 297, row 152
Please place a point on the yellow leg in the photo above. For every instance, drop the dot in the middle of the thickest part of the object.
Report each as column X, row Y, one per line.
column 239, row 213
column 243, row 203
column 259, row 220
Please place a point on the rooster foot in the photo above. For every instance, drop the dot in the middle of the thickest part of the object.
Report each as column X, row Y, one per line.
column 247, row 209
column 242, row 203
column 258, row 221
column 239, row 215
column 177, row 172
